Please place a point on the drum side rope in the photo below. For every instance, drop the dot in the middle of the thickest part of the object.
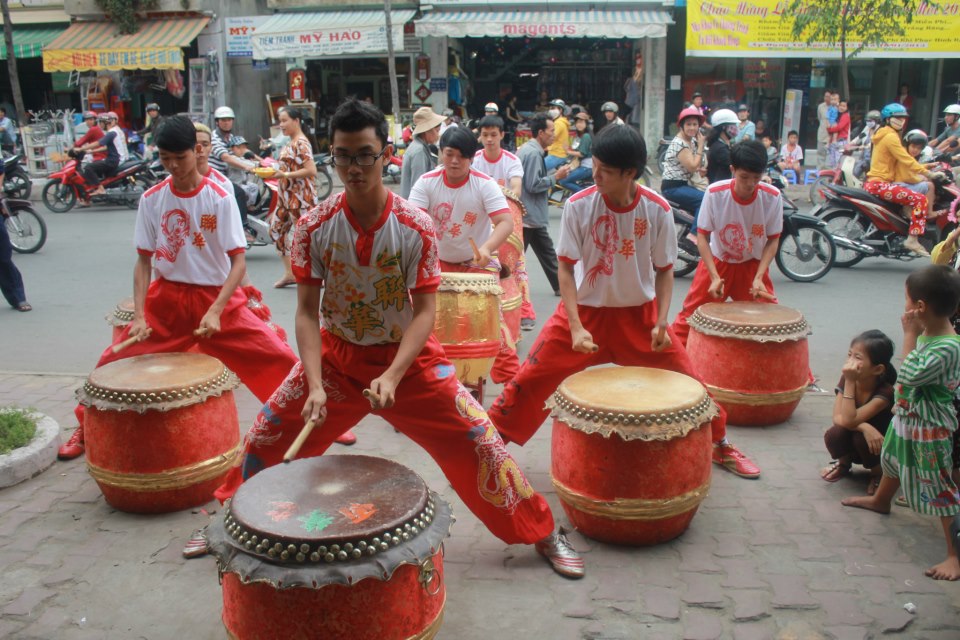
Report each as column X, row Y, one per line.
column 633, row 508
column 168, row 480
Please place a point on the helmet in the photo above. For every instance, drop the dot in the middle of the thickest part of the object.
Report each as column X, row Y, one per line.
column 109, row 115
column 491, row 106
column 610, row 106
column 953, row 109
column 224, row 112
column 724, row 116
column 235, row 140
column 557, row 102
column 89, row 114
column 690, row 112
column 874, row 115
column 916, row 136
column 153, row 106
column 696, row 94
column 893, row 109
column 744, row 107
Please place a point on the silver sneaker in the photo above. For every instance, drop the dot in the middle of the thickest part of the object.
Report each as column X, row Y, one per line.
column 528, row 324
column 561, row 555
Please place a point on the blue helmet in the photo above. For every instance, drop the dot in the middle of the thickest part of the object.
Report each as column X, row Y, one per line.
column 893, row 109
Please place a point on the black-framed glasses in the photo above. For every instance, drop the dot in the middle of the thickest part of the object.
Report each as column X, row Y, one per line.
column 362, row 159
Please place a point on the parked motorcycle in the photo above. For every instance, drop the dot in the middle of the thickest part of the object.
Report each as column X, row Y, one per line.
column 27, row 230
column 66, row 186
column 16, row 183
column 865, row 226
column 324, row 179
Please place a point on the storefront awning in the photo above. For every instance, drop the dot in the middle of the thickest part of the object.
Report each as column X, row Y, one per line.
column 333, row 33
column 29, row 43
column 94, row 46
column 547, row 24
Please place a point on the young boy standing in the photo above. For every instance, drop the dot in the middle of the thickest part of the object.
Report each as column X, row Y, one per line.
column 368, row 260
column 916, row 452
column 462, row 204
column 737, row 234
column 188, row 231
column 617, row 248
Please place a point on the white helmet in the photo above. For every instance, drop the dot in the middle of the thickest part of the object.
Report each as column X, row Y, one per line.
column 724, row 116
column 610, row 106
column 953, row 109
column 224, row 112
column 491, row 106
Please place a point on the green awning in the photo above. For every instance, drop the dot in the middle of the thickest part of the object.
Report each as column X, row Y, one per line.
column 29, row 43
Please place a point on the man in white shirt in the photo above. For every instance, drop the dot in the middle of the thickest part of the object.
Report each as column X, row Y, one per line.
column 494, row 160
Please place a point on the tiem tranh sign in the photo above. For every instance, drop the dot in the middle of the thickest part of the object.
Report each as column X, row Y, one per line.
column 315, row 43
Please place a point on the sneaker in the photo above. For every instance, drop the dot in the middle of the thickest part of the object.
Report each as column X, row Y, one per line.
column 556, row 292
column 197, row 545
column 347, row 438
column 528, row 324
column 733, row 460
column 561, row 555
column 913, row 244
column 72, row 448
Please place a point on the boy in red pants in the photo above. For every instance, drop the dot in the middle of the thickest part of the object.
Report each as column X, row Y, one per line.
column 188, row 230
column 737, row 234
column 462, row 204
column 617, row 248
column 368, row 260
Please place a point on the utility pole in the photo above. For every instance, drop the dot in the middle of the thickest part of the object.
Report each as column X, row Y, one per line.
column 12, row 64
column 391, row 65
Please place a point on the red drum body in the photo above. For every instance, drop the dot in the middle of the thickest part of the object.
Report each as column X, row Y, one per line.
column 161, row 430
column 753, row 358
column 510, row 304
column 468, row 323
column 334, row 547
column 512, row 250
column 120, row 317
column 631, row 452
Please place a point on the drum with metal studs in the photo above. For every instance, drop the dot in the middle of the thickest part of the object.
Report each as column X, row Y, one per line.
column 468, row 322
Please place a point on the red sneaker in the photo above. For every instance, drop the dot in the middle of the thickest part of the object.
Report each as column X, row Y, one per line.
column 72, row 448
column 733, row 460
column 347, row 438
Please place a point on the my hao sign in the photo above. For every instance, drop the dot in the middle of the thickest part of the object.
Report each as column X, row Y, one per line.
column 239, row 33
column 315, row 43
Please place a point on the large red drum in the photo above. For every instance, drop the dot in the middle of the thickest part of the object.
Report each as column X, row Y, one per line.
column 468, row 322
column 511, row 251
column 631, row 452
column 161, row 430
column 334, row 547
column 753, row 357
column 120, row 317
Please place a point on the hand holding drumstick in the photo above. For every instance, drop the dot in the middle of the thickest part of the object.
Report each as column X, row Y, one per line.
column 716, row 288
column 759, row 290
column 660, row 338
column 583, row 341
column 480, row 256
column 140, row 337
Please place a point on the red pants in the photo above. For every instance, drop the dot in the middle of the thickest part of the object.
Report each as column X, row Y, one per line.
column 907, row 197
column 737, row 280
column 623, row 335
column 432, row 408
column 507, row 364
column 244, row 344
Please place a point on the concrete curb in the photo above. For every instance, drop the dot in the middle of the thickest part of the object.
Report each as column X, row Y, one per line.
column 26, row 462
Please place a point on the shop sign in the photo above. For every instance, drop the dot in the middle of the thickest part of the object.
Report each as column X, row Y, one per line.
column 316, row 43
column 113, row 59
column 239, row 32
column 438, row 84
column 261, row 65
column 757, row 28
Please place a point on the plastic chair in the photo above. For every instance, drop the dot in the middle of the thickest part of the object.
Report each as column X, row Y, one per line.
column 810, row 176
column 790, row 175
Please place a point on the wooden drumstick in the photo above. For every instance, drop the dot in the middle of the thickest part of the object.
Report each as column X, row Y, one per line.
column 301, row 438
column 117, row 348
column 590, row 345
column 763, row 293
column 476, row 251
column 372, row 397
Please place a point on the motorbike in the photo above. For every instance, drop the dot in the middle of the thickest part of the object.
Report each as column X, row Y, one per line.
column 844, row 175
column 27, row 230
column 324, row 179
column 806, row 251
column 865, row 226
column 662, row 152
column 16, row 183
column 68, row 185
column 558, row 193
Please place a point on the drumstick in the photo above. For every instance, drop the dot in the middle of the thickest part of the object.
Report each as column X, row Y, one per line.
column 372, row 397
column 476, row 251
column 117, row 348
column 763, row 293
column 590, row 345
column 301, row 438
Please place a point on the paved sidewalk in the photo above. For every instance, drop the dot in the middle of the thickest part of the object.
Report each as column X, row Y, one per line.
column 774, row 558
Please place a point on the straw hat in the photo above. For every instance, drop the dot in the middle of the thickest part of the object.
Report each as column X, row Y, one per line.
column 425, row 119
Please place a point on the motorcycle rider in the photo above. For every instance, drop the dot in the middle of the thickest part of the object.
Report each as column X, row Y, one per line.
column 895, row 176
column 726, row 125
column 150, row 126
column 89, row 140
column 864, row 143
column 610, row 111
column 916, row 141
column 557, row 152
column 114, row 144
column 951, row 130
column 223, row 160
column 683, row 160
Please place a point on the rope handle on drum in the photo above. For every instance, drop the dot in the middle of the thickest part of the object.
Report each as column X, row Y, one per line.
column 429, row 575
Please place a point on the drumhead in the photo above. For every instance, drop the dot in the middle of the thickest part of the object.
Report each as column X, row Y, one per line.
column 483, row 283
column 761, row 321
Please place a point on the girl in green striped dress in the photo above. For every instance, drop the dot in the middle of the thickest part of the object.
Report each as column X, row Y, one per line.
column 916, row 451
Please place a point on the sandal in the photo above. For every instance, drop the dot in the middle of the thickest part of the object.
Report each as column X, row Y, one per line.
column 872, row 485
column 283, row 282
column 23, row 307
column 835, row 471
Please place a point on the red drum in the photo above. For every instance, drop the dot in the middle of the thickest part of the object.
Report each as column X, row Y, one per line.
column 510, row 305
column 512, row 250
column 161, row 430
column 468, row 322
column 120, row 317
column 334, row 547
column 753, row 357
column 631, row 452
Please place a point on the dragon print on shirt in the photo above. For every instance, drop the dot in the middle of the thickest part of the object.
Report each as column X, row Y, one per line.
column 175, row 226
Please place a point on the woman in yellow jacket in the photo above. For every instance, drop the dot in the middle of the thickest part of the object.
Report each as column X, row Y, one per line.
column 895, row 175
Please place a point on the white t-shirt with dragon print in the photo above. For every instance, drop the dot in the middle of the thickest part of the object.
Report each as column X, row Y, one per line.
column 502, row 169
column 191, row 236
column 459, row 212
column 616, row 251
column 368, row 275
column 739, row 229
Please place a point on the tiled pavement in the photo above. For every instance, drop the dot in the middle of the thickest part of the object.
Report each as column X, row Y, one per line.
column 773, row 558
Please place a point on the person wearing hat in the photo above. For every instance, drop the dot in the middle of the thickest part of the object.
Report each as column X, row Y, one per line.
column 114, row 143
column 580, row 149
column 746, row 130
column 418, row 158
column 449, row 120
column 610, row 111
column 557, row 152
column 151, row 123
column 491, row 109
column 90, row 140
column 697, row 101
